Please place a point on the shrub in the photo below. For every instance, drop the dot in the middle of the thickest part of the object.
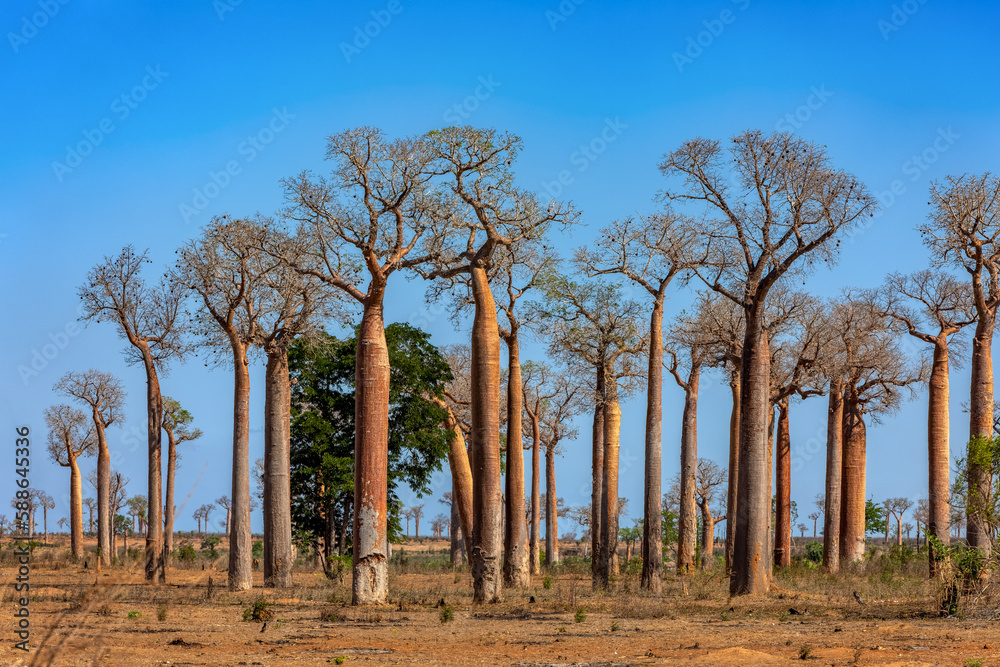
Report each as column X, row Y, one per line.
column 547, row 582
column 258, row 549
column 580, row 616
column 132, row 615
column 161, row 612
column 814, row 552
column 208, row 546
column 259, row 611
column 185, row 553
column 447, row 614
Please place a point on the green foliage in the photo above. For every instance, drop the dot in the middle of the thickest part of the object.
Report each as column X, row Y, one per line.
column 447, row 614
column 259, row 611
column 161, row 612
column 983, row 453
column 208, row 546
column 668, row 526
column 132, row 615
column 258, row 549
column 580, row 616
column 547, row 582
column 123, row 525
column 322, row 428
column 185, row 553
column 814, row 552
column 874, row 518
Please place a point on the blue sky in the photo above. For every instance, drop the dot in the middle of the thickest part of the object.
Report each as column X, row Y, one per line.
column 121, row 120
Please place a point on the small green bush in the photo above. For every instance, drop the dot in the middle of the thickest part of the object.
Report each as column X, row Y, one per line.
column 580, row 616
column 814, row 552
column 259, row 611
column 447, row 614
column 185, row 553
column 132, row 615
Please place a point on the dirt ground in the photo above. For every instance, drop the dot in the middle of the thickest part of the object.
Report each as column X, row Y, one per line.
column 81, row 618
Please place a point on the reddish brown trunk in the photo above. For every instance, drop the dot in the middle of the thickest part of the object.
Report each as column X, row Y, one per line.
column 734, row 466
column 980, row 424
column 852, row 517
column 168, row 511
column 834, row 469
column 487, row 537
column 551, row 510
column 536, row 498
column 686, row 520
column 652, row 539
column 783, row 489
column 370, row 584
column 938, row 450
column 240, row 547
column 76, row 506
column 707, row 535
column 753, row 504
column 597, row 479
column 104, row 517
column 278, row 556
column 515, row 563
column 155, row 566
column 609, row 489
column 461, row 475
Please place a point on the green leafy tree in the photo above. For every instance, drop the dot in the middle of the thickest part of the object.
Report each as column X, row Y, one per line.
column 874, row 518
column 322, row 431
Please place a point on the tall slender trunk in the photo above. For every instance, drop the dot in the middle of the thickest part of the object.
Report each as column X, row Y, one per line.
column 597, row 480
column 980, row 424
column 75, row 506
column 104, row 516
column 155, row 566
column 551, row 509
column 515, row 561
column 455, row 529
column 852, row 514
column 536, row 499
column 783, row 489
column 888, row 517
column 609, row 488
column 687, row 516
column 240, row 547
column 834, row 469
column 769, row 548
column 707, row 535
column 652, row 529
column 461, row 474
column 734, row 466
column 487, row 537
column 168, row 510
column 753, row 506
column 278, row 557
column 939, row 456
column 370, row 584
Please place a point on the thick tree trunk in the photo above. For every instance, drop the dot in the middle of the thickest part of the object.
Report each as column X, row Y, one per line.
column 515, row 562
column 536, row 499
column 783, row 489
column 687, row 534
column 609, row 489
column 487, row 537
column 980, row 424
column 371, row 456
column 753, row 506
column 652, row 528
column 938, row 450
column 834, row 469
column 455, row 529
column 852, row 514
column 734, row 466
column 551, row 509
column 76, row 507
column 461, row 474
column 278, row 557
column 168, row 510
column 597, row 479
column 240, row 546
column 104, row 517
column 155, row 566
column 707, row 536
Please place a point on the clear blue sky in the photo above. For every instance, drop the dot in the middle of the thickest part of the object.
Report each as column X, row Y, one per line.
column 258, row 86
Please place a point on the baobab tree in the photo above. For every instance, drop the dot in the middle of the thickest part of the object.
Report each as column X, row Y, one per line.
column 227, row 268
column 71, row 435
column 876, row 374
column 104, row 395
column 536, row 390
column 418, row 512
column 458, row 399
column 224, row 503
column 357, row 229
column 710, row 481
column 457, row 546
column 137, row 509
column 815, row 519
column 897, row 507
column 933, row 307
column 557, row 414
column 46, row 502
column 91, row 505
column 177, row 426
column 150, row 318
column 62, row 523
column 484, row 211
column 963, row 229
column 590, row 324
column 650, row 252
column 788, row 205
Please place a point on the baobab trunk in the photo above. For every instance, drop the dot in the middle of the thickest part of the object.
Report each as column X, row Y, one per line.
column 597, row 479
column 753, row 506
column 939, row 456
column 783, row 464
column 461, row 473
column 278, row 556
column 155, row 566
column 551, row 509
column 487, row 536
column 536, row 499
column 240, row 547
column 981, row 425
column 103, row 497
column 707, row 535
column 609, row 489
column 834, row 468
column 455, row 529
column 734, row 467
column 515, row 562
column 652, row 529
column 852, row 513
column 687, row 533
column 371, row 456
column 168, row 510
column 76, row 507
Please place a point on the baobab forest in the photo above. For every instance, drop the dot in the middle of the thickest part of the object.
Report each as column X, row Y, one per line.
column 629, row 335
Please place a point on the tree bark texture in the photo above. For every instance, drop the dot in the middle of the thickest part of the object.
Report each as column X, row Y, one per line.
column 609, row 489
column 278, row 555
column 515, row 562
column 652, row 527
column 551, row 509
column 852, row 514
column 687, row 533
column 155, row 566
column 938, row 450
column 834, row 470
column 240, row 546
column 597, row 478
column 783, row 489
column 734, row 466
